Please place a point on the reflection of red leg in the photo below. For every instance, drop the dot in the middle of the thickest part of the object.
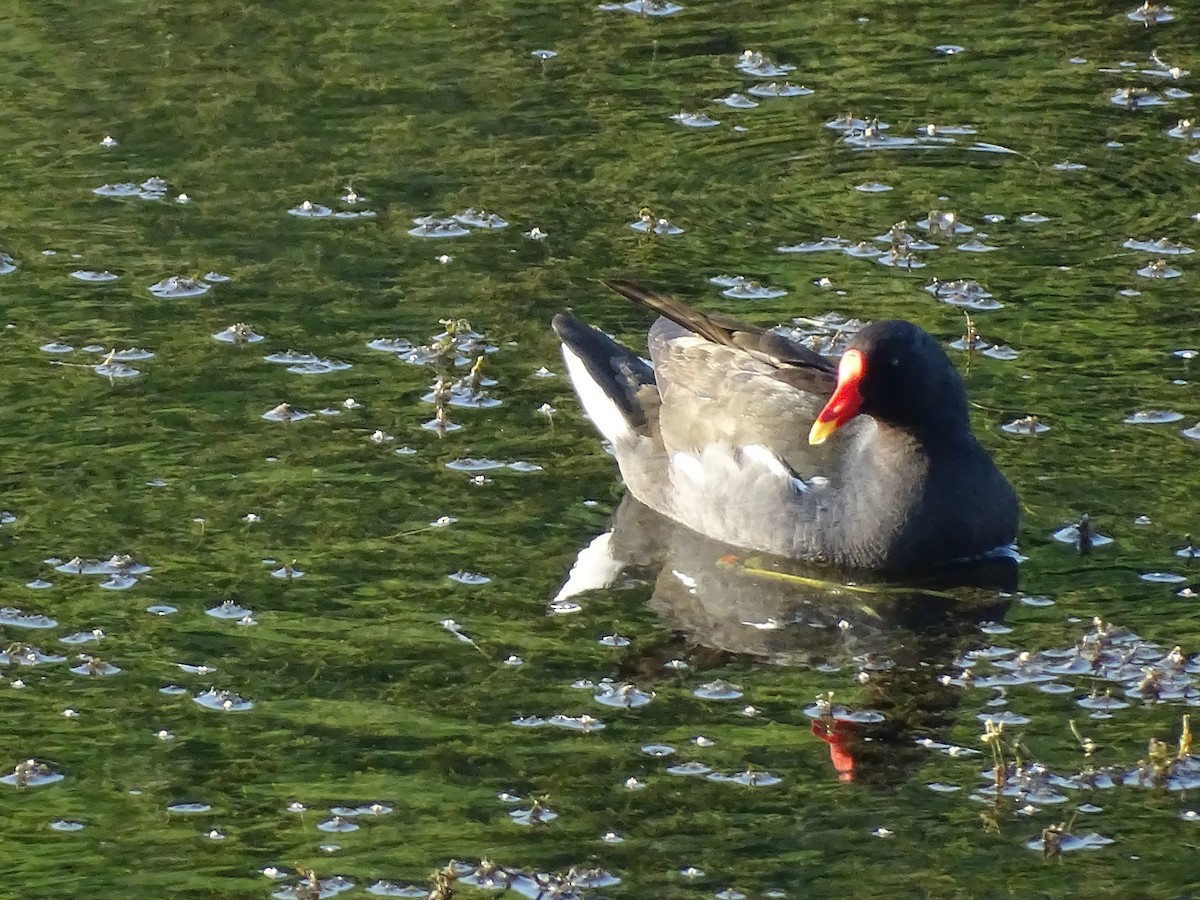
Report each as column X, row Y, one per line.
column 837, row 735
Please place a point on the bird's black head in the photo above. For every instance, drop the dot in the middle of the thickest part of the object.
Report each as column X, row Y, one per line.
column 898, row 374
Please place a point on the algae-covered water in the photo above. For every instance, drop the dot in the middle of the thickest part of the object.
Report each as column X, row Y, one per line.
column 254, row 652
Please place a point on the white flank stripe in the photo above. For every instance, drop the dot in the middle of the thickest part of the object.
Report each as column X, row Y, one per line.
column 604, row 413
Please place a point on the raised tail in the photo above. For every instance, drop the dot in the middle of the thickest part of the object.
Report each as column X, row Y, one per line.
column 607, row 377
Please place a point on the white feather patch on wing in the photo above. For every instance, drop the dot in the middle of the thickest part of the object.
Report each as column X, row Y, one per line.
column 688, row 466
column 759, row 454
column 604, row 413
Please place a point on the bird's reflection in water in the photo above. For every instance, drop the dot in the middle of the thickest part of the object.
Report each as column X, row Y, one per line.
column 888, row 643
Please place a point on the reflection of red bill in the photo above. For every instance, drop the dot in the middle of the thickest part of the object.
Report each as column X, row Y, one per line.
column 837, row 735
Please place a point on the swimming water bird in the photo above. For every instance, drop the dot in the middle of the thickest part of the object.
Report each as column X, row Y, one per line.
column 748, row 437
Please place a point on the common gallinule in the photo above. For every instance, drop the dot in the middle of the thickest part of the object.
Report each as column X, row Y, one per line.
column 750, row 438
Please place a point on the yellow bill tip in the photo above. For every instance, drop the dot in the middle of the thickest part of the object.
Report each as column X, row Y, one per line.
column 821, row 431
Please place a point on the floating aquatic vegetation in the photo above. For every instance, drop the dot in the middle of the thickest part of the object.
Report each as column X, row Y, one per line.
column 222, row 701
column 176, row 287
column 1001, row 352
column 310, row 887
column 117, row 564
column 319, row 367
column 1134, row 98
column 18, row 618
column 292, row 358
column 189, row 807
column 118, row 583
column 736, row 101
column 653, row 8
column 116, row 370
column 976, row 245
column 623, row 696
column 310, row 210
column 440, row 425
column 862, row 250
column 899, row 259
column 461, row 394
column 469, row 464
column 95, row 667
column 718, row 690
column 19, row 654
column 238, row 334
column 1162, row 246
column 31, row 773
column 480, row 218
column 1163, row 577
column 1152, row 417
column 1185, row 129
column 825, row 244
column 438, row 227
column 647, row 223
column 825, row 708
column 941, row 221
column 695, row 120
column 1081, row 535
column 964, row 293
column 976, row 343
column 744, row 289
column 780, row 89
column 91, row 276
column 82, row 637
column 1004, row 718
column 123, row 189
column 130, row 355
column 1151, row 14
column 749, row 778
column 871, row 136
column 1159, row 268
column 391, row 345
column 932, row 130
column 471, row 578
column 752, row 62
column 285, row 412
column 228, row 609
column 337, row 824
